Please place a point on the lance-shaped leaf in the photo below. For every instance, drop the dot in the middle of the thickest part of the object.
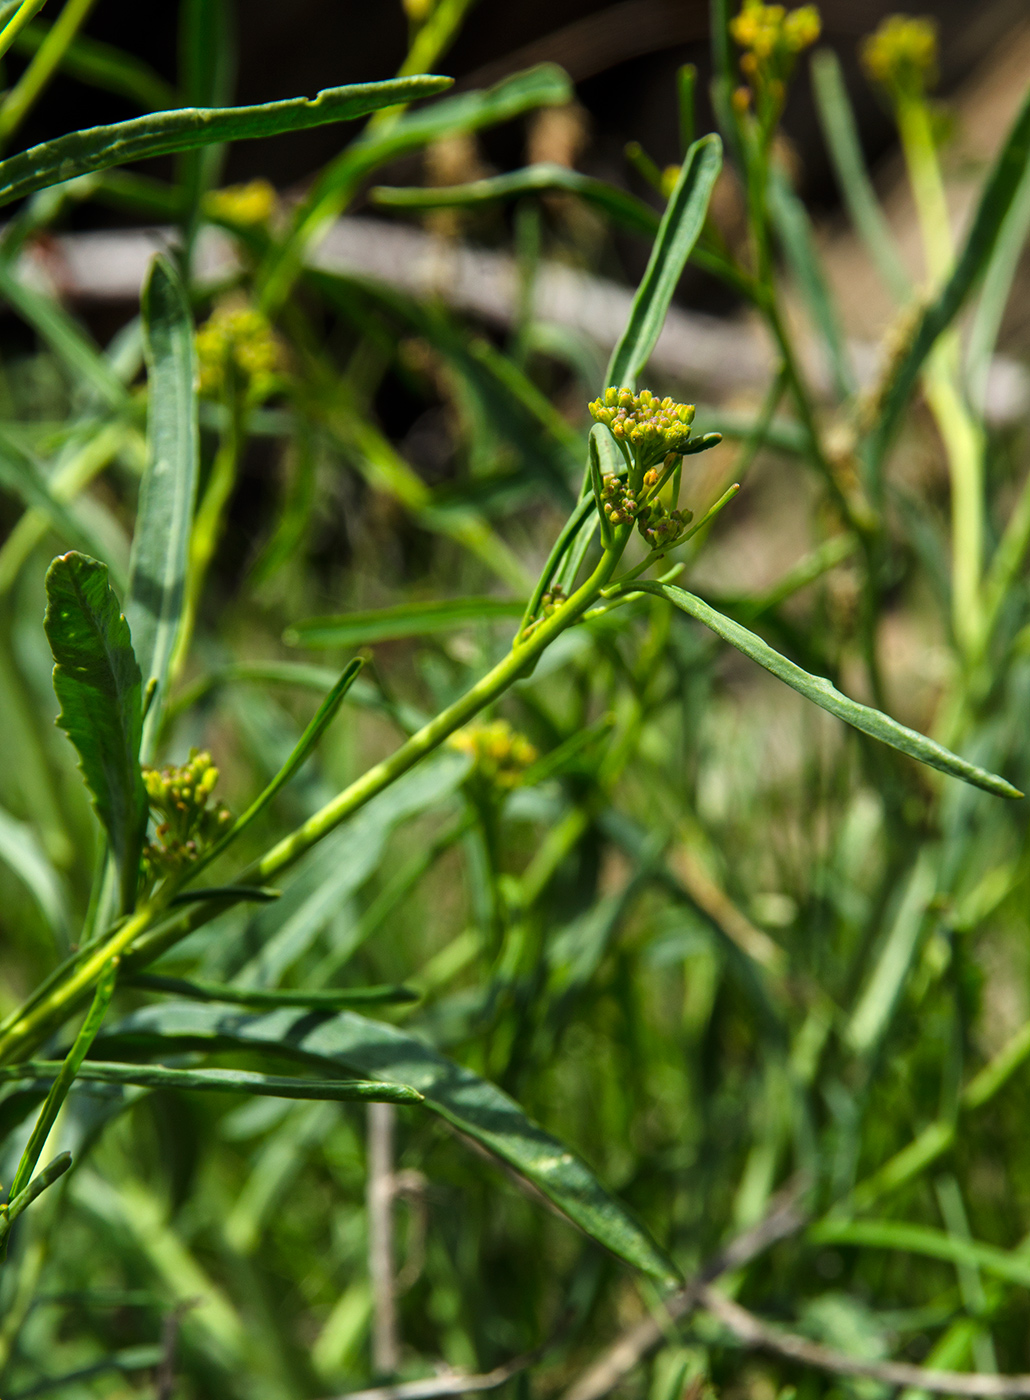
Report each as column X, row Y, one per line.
column 473, row 1105
column 679, row 230
column 405, row 620
column 97, row 680
column 186, row 128
column 160, row 542
column 819, row 690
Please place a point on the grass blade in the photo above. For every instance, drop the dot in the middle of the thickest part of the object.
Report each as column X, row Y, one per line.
column 161, row 540
column 22, row 853
column 921, row 1239
column 404, row 620
column 64, row 1078
column 471, row 1104
column 841, row 134
column 795, row 233
column 21, row 474
column 998, row 279
column 336, row 999
column 679, row 230
column 999, row 194
column 223, row 1081
column 97, row 680
column 50, row 1173
column 186, row 128
column 302, row 751
column 827, row 697
column 622, row 207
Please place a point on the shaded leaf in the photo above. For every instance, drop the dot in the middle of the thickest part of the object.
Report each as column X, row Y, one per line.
column 471, row 1104
column 97, row 681
column 161, row 540
column 404, row 620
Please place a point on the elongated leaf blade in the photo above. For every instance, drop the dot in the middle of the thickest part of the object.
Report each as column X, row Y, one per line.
column 819, row 690
column 186, row 128
column 997, row 198
column 223, row 1081
column 405, row 620
column 335, row 999
column 621, row 206
column 921, row 1239
column 160, row 543
column 473, row 1105
column 98, row 683
column 22, row 852
column 679, row 230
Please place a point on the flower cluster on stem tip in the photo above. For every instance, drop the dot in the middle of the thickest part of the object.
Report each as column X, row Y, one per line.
column 188, row 822
column 236, row 344
column 246, row 206
column 500, row 753
column 621, row 504
column 771, row 37
column 649, row 427
column 902, row 56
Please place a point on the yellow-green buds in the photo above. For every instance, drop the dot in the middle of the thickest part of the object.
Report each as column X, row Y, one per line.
column 500, row 753
column 188, row 822
column 902, row 56
column 649, row 427
column 247, row 206
column 771, row 37
column 237, row 342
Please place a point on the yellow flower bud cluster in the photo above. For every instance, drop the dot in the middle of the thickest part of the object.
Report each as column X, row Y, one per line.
column 902, row 55
column 552, row 599
column 500, row 753
column 238, row 341
column 188, row 822
column 771, row 37
column 247, row 206
column 650, row 427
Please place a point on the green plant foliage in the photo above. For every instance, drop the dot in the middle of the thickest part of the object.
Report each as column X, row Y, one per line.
column 98, row 684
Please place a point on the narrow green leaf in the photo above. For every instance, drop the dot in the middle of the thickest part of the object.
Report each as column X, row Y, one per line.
column 21, row 474
column 65, row 337
column 827, row 697
column 161, row 539
column 622, row 207
column 22, row 853
column 302, row 751
column 840, row 131
column 223, row 1081
column 999, row 193
column 64, row 1077
column 473, row 1105
column 335, row 999
column 186, row 128
column 921, row 1239
column 98, row 683
column 794, row 229
column 998, row 279
column 404, row 620
column 52, row 1172
column 679, row 230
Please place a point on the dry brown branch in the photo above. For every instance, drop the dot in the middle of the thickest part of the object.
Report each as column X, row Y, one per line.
column 753, row 1332
column 619, row 1359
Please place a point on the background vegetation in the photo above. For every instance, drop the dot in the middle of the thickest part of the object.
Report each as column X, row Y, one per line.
column 765, row 975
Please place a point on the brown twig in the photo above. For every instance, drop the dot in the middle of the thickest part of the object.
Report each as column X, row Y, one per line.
column 783, row 1219
column 455, row 1382
column 164, row 1378
column 753, row 1332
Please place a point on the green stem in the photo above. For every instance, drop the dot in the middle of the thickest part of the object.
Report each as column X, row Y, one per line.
column 26, row 11
column 42, row 1015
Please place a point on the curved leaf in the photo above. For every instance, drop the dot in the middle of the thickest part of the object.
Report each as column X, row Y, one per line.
column 405, row 620
column 624, row 208
column 819, row 690
column 679, row 230
column 161, row 540
column 97, row 681
column 473, row 1105
column 185, row 128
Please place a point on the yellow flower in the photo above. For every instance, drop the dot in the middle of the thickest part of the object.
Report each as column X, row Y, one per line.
column 237, row 340
column 246, row 205
column 902, row 55
column 649, row 426
column 771, row 37
column 500, row 753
